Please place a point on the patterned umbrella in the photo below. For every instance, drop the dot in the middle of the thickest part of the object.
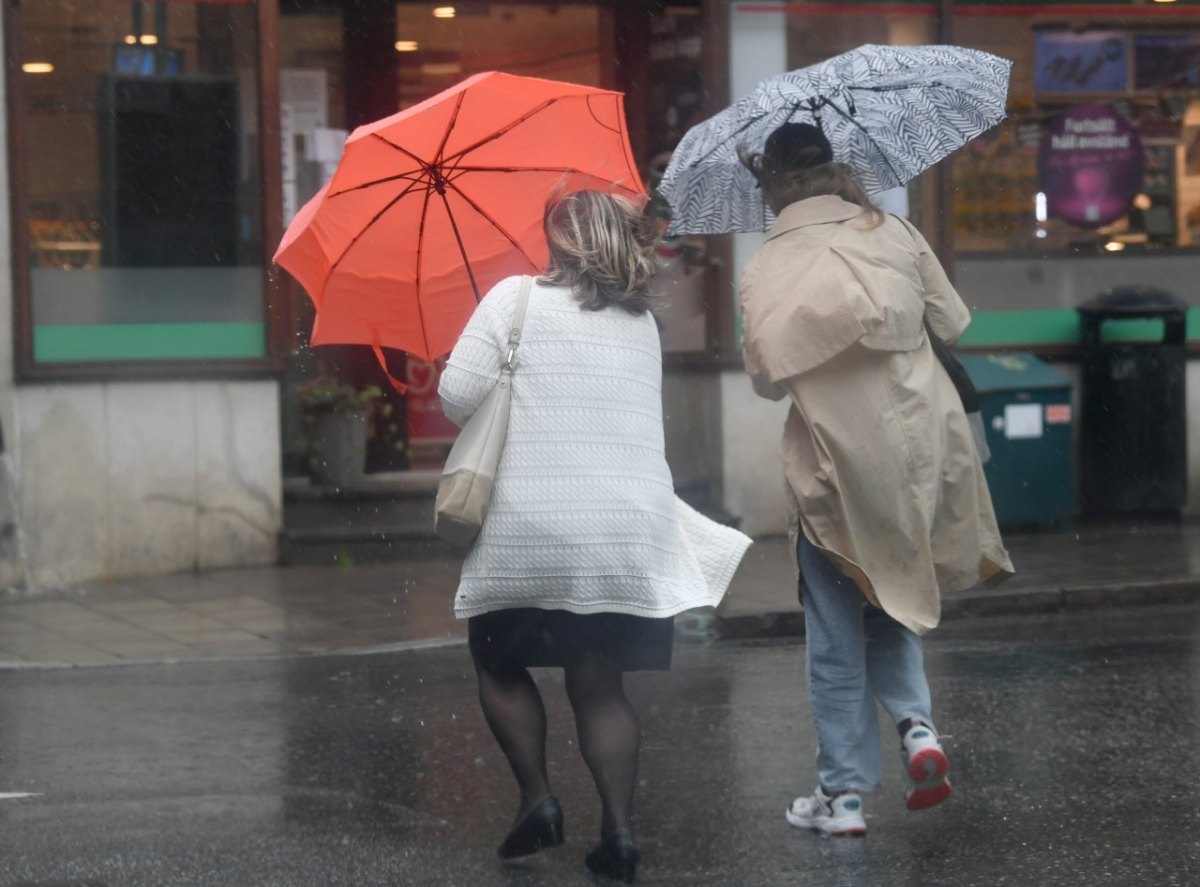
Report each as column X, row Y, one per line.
column 890, row 112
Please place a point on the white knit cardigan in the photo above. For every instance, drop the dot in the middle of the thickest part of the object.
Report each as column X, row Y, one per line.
column 583, row 515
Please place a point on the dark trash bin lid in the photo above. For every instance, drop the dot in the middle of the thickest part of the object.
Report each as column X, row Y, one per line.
column 1133, row 301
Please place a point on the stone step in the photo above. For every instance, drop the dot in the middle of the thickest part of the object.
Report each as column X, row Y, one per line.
column 401, row 501
column 348, row 547
column 384, row 518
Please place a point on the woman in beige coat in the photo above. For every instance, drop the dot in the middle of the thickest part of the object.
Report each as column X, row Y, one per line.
column 886, row 493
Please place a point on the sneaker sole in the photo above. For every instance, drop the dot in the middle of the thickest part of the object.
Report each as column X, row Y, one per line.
column 853, row 829
column 928, row 765
column 924, row 797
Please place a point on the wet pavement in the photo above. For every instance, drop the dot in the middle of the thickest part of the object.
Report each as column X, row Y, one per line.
column 286, row 611
column 1072, row 743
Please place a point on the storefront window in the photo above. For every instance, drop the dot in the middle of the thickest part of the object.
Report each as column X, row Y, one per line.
column 1094, row 179
column 1140, row 65
column 142, row 198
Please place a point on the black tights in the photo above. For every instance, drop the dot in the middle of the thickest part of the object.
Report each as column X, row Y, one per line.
column 607, row 725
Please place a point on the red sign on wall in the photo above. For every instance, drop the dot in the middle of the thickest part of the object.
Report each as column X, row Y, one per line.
column 426, row 422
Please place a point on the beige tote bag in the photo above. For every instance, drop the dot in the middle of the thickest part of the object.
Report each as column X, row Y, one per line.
column 470, row 470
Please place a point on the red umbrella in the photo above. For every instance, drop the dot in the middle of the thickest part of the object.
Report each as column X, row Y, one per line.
column 430, row 207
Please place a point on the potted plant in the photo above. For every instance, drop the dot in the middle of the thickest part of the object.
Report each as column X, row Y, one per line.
column 339, row 419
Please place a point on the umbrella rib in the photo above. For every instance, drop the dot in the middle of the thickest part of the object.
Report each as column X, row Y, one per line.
column 420, row 261
column 458, row 237
column 411, row 176
column 399, row 148
column 484, row 214
column 600, row 122
column 438, row 159
column 466, row 169
column 504, row 130
column 375, row 218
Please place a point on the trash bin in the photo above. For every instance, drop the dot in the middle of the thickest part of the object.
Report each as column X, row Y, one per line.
column 1026, row 407
column 1133, row 436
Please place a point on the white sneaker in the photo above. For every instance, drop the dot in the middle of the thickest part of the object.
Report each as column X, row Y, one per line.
column 840, row 815
column 926, row 764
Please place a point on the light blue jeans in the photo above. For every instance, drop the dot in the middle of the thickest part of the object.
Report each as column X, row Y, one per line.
column 856, row 654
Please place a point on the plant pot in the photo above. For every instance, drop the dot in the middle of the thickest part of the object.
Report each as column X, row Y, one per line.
column 339, row 448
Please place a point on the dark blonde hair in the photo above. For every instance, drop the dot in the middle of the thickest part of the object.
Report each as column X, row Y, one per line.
column 789, row 172
column 601, row 248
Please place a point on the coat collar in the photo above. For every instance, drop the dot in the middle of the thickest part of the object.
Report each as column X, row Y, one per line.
column 821, row 210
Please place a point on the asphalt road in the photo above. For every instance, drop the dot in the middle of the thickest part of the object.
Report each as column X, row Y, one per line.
column 1073, row 744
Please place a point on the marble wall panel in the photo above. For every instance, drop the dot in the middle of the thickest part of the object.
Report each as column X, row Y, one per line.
column 150, row 430
column 238, row 473
column 61, row 459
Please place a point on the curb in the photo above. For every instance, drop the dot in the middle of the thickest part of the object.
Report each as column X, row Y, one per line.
column 1070, row 598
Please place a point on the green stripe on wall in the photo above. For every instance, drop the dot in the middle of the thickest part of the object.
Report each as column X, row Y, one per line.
column 148, row 341
column 1058, row 328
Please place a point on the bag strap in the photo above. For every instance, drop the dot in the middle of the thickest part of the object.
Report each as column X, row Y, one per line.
column 954, row 369
column 514, row 334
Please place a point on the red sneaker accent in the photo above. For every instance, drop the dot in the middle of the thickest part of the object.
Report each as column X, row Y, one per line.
column 928, row 765
column 930, row 796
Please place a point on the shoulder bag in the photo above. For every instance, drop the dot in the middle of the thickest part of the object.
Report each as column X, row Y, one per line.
column 465, row 489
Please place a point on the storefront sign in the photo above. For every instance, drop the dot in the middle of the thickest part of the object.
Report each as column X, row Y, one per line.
column 1093, row 61
column 1089, row 165
column 1166, row 60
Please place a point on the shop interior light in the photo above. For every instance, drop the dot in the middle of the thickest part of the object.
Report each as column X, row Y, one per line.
column 441, row 69
column 38, row 68
column 1039, row 206
column 1143, row 202
column 1114, row 246
column 1164, row 1
column 131, row 39
column 407, row 46
column 149, row 39
column 444, row 12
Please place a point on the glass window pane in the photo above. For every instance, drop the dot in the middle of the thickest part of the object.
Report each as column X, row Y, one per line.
column 141, row 145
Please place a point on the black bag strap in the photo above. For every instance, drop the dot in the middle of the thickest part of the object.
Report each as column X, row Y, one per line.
column 954, row 369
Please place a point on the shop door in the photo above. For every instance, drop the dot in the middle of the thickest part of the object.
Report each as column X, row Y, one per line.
column 344, row 63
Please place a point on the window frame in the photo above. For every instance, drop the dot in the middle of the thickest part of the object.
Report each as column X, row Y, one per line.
column 276, row 297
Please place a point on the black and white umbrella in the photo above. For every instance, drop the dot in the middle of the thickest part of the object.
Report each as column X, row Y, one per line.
column 890, row 112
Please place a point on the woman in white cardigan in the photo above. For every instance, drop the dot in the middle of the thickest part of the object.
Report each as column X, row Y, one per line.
column 585, row 555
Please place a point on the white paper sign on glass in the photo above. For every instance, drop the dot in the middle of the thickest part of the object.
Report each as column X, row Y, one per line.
column 1022, row 421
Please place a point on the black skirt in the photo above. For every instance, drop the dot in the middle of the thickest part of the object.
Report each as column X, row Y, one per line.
column 533, row 638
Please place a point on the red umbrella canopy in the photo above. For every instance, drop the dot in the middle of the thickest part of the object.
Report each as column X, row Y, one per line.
column 430, row 207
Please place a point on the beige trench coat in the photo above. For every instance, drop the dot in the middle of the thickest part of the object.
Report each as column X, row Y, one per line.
column 881, row 469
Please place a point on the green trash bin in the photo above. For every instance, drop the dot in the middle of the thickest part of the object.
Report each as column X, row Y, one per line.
column 1026, row 407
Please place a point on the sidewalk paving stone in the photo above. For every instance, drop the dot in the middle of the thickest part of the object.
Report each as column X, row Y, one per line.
column 273, row 611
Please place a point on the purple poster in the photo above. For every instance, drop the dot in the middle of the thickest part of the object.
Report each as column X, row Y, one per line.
column 1089, row 165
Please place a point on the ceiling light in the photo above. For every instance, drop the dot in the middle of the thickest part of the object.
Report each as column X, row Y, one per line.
column 407, row 46
column 149, row 39
column 1114, row 246
column 130, row 39
column 1164, row 1
column 38, row 68
column 443, row 12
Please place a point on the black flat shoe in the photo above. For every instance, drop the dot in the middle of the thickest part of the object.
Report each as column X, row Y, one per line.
column 615, row 857
column 540, row 827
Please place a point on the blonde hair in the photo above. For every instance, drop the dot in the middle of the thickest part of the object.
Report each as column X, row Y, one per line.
column 601, row 248
column 790, row 178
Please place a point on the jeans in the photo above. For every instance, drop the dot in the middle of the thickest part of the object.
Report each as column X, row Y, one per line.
column 856, row 654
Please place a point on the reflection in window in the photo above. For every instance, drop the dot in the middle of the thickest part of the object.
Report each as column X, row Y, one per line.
column 141, row 155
